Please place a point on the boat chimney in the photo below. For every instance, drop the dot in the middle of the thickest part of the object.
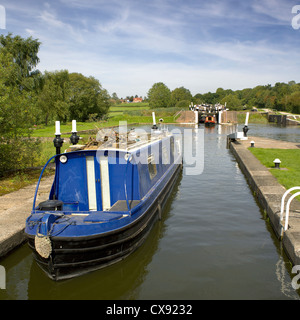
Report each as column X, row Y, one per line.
column 74, row 137
column 154, row 121
column 58, row 141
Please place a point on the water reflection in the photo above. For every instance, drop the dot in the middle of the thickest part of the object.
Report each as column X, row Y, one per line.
column 273, row 131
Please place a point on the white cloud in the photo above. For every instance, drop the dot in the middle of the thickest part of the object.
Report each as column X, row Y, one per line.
column 51, row 20
column 243, row 52
column 30, row 32
column 115, row 24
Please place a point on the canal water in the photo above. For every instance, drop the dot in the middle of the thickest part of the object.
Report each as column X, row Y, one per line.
column 213, row 242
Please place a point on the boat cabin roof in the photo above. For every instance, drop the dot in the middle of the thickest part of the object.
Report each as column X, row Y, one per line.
column 114, row 141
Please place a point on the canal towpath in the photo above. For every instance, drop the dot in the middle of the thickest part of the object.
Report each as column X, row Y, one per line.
column 15, row 207
column 269, row 192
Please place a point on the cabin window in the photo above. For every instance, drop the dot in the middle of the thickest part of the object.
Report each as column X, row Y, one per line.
column 152, row 166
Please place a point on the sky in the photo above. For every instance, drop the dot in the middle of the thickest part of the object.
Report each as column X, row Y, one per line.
column 128, row 45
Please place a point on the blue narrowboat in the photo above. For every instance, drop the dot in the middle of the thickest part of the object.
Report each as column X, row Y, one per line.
column 102, row 204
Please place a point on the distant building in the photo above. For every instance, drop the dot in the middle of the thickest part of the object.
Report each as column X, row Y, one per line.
column 137, row 100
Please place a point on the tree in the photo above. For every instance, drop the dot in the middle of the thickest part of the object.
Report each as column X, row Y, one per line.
column 18, row 60
column 87, row 98
column 220, row 94
column 180, row 94
column 198, row 98
column 24, row 53
column 233, row 102
column 114, row 96
column 17, row 149
column 293, row 102
column 54, row 97
column 210, row 98
column 159, row 96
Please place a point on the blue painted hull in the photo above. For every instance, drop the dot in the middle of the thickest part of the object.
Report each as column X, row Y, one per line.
column 83, row 241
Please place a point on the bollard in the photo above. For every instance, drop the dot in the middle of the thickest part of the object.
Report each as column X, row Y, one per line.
column 252, row 144
column 245, row 130
column 277, row 163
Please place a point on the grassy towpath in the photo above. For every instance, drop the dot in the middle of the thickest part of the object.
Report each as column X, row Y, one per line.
column 289, row 174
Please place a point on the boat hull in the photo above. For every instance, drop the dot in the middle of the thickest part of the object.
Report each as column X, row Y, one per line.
column 209, row 124
column 74, row 256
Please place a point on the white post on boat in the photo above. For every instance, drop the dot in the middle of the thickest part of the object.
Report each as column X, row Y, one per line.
column 74, row 137
column 154, row 121
column 74, row 126
column 58, row 141
column 57, row 128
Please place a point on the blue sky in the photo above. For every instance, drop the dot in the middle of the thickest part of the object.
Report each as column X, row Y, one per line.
column 129, row 45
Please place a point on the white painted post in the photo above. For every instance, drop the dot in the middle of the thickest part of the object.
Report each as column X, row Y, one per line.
column 74, row 126
column 57, row 128
column 153, row 117
column 196, row 117
column 220, row 117
column 247, row 119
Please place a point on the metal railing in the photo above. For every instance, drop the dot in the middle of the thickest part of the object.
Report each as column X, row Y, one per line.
column 287, row 209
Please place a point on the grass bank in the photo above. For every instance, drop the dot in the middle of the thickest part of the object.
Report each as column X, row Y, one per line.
column 133, row 114
column 289, row 175
column 22, row 179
